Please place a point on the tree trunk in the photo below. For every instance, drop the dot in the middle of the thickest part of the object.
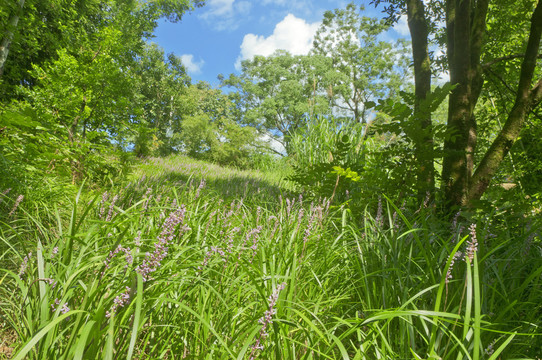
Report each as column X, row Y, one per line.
column 417, row 24
column 8, row 36
column 465, row 31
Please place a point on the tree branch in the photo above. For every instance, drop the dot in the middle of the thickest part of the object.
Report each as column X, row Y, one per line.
column 525, row 96
column 487, row 65
column 536, row 94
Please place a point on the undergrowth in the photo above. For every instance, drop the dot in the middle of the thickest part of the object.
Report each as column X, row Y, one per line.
column 189, row 260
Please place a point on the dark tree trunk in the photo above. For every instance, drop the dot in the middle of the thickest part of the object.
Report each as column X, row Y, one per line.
column 417, row 24
column 465, row 26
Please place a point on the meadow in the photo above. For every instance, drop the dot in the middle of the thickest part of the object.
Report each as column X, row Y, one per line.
column 189, row 260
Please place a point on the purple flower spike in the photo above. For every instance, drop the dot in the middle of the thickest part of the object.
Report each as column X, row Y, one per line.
column 472, row 244
column 265, row 320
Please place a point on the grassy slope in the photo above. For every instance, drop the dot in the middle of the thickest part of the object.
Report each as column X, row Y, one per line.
column 172, row 265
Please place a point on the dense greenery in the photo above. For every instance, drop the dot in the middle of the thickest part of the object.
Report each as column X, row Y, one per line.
column 333, row 205
column 174, row 265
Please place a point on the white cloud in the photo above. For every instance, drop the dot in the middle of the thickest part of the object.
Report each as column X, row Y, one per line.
column 222, row 14
column 401, row 26
column 193, row 67
column 292, row 34
column 219, row 8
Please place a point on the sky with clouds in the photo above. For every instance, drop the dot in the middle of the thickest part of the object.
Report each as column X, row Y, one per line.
column 214, row 39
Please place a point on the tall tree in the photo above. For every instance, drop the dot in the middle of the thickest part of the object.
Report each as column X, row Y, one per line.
column 364, row 67
column 72, row 68
column 161, row 83
column 210, row 130
column 424, row 151
column 43, row 27
column 278, row 92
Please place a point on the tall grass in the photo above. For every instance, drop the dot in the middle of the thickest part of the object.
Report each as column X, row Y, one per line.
column 201, row 262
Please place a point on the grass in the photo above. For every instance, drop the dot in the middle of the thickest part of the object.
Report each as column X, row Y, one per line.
column 238, row 266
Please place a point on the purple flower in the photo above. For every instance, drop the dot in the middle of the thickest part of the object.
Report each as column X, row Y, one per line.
column 276, row 224
column 300, row 216
column 105, row 196
column 472, row 244
column 208, row 254
column 120, row 301
column 137, row 239
column 258, row 214
column 265, row 320
column 16, row 205
column 128, row 256
column 147, row 197
column 308, row 230
column 64, row 309
column 111, row 212
column 379, row 219
column 232, row 233
column 200, row 187
column 289, row 206
column 24, row 265
column 457, row 256
column 254, row 247
column 153, row 260
column 51, row 282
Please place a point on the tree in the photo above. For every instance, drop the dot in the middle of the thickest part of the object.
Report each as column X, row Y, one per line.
column 209, row 129
column 71, row 72
column 160, row 85
column 277, row 93
column 465, row 41
column 364, row 68
column 34, row 34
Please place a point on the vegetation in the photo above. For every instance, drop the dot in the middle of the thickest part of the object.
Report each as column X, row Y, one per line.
column 146, row 216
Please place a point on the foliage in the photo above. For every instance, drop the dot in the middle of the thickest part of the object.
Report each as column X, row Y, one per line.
column 209, row 129
column 278, row 92
column 474, row 51
column 363, row 68
column 160, row 101
column 167, row 265
column 323, row 150
column 73, row 87
column 381, row 153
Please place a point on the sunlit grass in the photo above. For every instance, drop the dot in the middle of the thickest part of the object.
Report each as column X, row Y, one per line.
column 190, row 260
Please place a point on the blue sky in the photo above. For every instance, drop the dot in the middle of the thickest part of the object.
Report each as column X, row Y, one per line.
column 214, row 39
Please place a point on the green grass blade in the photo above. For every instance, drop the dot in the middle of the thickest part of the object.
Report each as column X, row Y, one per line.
column 82, row 342
column 501, row 348
column 137, row 316
column 477, row 310
column 30, row 344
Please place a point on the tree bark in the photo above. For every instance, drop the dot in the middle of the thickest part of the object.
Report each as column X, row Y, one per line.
column 526, row 99
column 8, row 36
column 465, row 26
column 417, row 25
